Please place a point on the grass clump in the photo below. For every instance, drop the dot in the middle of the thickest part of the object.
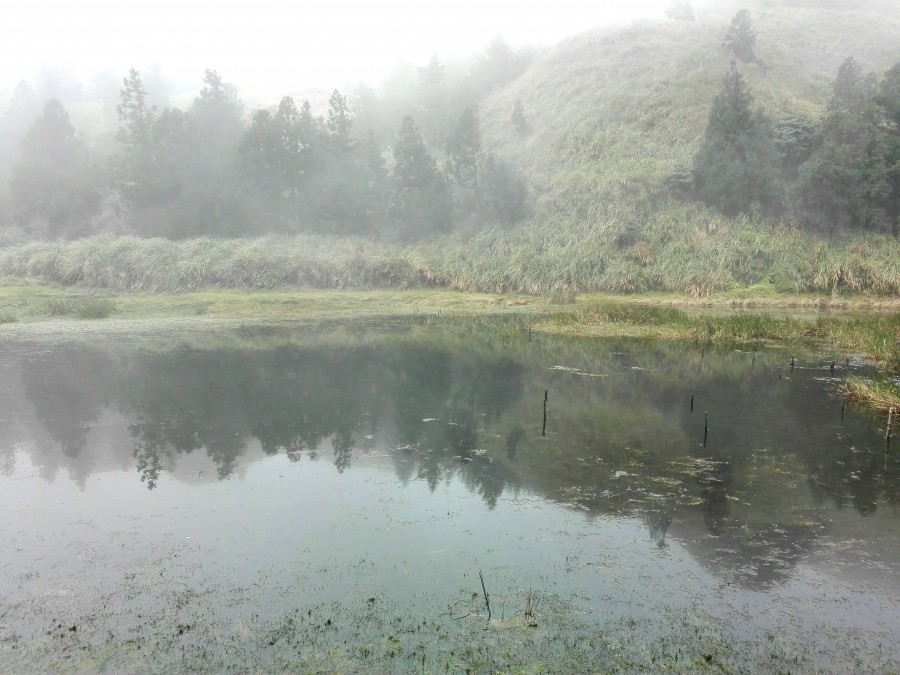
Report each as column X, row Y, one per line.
column 563, row 295
column 81, row 308
column 878, row 336
column 879, row 395
column 8, row 317
column 642, row 315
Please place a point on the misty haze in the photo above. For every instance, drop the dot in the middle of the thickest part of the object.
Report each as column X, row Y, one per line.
column 471, row 338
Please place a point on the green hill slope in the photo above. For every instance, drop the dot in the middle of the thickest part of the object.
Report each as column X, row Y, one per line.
column 613, row 112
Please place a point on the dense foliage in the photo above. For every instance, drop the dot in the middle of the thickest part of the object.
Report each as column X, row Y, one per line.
column 211, row 169
column 842, row 171
column 653, row 157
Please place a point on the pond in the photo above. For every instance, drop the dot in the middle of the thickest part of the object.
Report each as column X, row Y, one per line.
column 438, row 494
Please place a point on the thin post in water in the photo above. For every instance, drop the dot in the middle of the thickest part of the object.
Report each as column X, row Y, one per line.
column 487, row 600
column 705, row 427
column 887, row 432
column 544, row 430
column 692, row 403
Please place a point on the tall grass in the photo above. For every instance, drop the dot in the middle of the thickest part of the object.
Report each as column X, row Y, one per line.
column 132, row 264
column 878, row 395
column 82, row 308
column 681, row 249
column 876, row 336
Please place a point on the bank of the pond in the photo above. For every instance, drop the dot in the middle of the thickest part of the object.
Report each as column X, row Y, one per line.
column 866, row 325
column 873, row 335
column 31, row 301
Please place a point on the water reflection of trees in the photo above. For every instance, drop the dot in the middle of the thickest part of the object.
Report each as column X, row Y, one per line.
column 621, row 436
column 70, row 388
column 294, row 400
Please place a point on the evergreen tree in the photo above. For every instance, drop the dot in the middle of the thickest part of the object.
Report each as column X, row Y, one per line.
column 135, row 171
column 497, row 65
column 851, row 88
column 463, row 146
column 888, row 100
column 22, row 112
column 433, row 101
column 680, row 10
column 216, row 127
column 339, row 122
column 851, row 179
column 504, row 194
column 737, row 164
column 794, row 139
column 420, row 198
column 740, row 39
column 54, row 189
column 260, row 160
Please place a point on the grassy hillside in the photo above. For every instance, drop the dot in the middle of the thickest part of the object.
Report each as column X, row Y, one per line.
column 614, row 111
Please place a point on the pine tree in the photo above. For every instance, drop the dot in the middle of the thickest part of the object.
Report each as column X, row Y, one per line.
column 339, row 122
column 134, row 167
column 680, row 10
column 852, row 179
column 741, row 38
column 421, row 200
column 135, row 115
column 54, row 189
column 432, row 95
column 737, row 164
column 463, row 147
column 504, row 194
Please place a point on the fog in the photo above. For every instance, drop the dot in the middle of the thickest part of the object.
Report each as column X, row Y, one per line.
column 267, row 48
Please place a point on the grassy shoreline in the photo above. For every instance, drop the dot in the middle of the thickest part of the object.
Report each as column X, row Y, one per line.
column 867, row 325
column 33, row 301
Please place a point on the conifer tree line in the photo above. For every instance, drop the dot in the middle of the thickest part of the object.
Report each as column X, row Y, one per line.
column 835, row 173
column 212, row 169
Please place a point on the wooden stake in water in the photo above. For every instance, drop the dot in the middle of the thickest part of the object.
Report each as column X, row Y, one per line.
column 692, row 403
column 887, row 432
column 544, row 431
column 705, row 427
column 529, row 333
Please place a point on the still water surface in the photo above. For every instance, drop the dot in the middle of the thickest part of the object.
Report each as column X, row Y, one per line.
column 325, row 498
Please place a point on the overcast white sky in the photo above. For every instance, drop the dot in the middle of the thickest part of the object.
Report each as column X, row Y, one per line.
column 272, row 45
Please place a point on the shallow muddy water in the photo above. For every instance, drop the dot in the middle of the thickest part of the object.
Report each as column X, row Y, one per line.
column 324, row 499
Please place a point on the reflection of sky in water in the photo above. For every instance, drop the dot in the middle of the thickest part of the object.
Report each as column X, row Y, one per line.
column 424, row 464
